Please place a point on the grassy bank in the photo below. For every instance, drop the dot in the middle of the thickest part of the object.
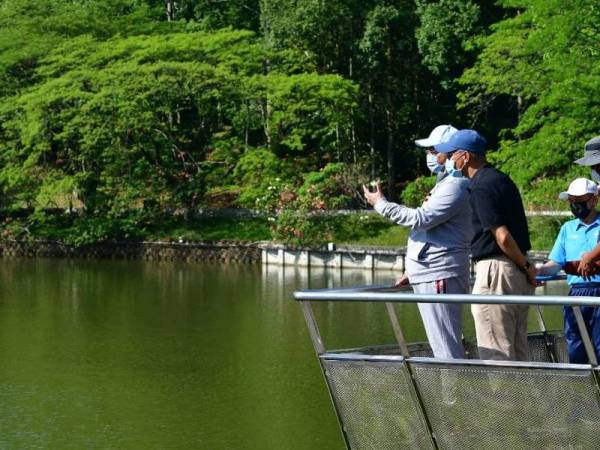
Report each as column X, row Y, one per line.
column 354, row 229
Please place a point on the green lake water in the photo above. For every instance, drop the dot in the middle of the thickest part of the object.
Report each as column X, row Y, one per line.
column 134, row 355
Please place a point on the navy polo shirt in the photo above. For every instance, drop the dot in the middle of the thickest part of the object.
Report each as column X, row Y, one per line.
column 496, row 201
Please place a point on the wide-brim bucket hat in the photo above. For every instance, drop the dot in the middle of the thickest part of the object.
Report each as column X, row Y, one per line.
column 591, row 155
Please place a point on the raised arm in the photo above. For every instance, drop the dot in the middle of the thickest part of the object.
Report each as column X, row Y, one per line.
column 438, row 209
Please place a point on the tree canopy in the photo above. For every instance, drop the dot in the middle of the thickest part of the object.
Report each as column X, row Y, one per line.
column 544, row 59
column 127, row 109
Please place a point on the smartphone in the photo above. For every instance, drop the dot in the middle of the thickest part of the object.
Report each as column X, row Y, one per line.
column 372, row 186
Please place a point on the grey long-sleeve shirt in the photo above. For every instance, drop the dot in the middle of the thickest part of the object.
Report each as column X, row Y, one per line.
column 441, row 231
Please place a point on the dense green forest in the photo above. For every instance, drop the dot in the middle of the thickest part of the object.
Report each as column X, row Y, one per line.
column 129, row 114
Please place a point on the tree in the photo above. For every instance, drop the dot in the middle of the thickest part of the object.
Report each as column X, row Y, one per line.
column 213, row 15
column 134, row 125
column 544, row 61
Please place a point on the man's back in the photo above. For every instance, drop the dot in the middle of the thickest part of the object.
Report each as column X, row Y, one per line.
column 496, row 201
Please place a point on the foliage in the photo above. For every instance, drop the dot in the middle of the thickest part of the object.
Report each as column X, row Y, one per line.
column 543, row 231
column 545, row 62
column 298, row 227
column 212, row 229
column 131, row 125
column 446, row 26
column 299, row 215
column 120, row 113
column 328, row 188
column 260, row 173
column 369, row 229
column 210, row 14
column 414, row 193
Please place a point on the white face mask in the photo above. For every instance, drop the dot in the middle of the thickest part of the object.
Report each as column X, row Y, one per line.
column 451, row 169
column 595, row 176
column 432, row 164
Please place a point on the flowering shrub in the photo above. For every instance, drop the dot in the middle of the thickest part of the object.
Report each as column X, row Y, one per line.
column 299, row 216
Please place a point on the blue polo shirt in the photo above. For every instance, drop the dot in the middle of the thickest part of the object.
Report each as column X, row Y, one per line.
column 574, row 239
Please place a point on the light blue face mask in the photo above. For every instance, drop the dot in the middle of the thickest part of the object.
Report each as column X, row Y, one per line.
column 433, row 165
column 451, row 169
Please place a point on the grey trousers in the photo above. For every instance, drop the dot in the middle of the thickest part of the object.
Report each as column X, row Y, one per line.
column 443, row 322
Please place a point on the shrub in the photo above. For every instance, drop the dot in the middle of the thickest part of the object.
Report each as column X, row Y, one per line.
column 416, row 191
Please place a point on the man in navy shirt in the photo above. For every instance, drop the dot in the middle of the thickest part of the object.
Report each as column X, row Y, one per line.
column 499, row 247
column 575, row 238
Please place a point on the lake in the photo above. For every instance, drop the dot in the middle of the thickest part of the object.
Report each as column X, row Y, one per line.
column 139, row 355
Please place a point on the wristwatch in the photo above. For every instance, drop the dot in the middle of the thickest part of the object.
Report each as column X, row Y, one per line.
column 526, row 266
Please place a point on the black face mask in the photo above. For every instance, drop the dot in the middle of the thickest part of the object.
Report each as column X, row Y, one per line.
column 580, row 209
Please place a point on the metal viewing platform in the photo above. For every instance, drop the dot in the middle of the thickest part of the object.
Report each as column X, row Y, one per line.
column 400, row 396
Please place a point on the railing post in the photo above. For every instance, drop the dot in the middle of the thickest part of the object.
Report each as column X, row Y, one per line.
column 313, row 329
column 317, row 341
column 589, row 348
column 397, row 330
column 413, row 382
column 585, row 337
column 542, row 325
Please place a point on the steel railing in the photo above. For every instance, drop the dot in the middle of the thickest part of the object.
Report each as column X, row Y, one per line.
column 390, row 296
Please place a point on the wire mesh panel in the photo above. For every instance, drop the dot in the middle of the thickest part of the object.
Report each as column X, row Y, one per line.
column 490, row 407
column 560, row 347
column 377, row 405
column 540, row 348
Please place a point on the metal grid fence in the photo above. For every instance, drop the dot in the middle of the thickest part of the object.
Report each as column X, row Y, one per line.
column 399, row 396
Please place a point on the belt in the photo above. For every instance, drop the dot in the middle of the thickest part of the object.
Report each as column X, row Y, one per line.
column 501, row 256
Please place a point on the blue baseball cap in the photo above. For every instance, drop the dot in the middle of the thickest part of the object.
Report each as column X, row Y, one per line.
column 469, row 140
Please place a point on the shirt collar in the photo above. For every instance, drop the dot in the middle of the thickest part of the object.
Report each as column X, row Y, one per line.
column 580, row 224
column 475, row 179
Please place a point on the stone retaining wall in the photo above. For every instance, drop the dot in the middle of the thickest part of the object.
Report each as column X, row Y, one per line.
column 150, row 251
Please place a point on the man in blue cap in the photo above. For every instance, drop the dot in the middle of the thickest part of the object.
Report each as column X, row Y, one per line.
column 499, row 247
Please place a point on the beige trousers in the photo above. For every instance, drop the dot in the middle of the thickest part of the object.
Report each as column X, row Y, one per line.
column 501, row 329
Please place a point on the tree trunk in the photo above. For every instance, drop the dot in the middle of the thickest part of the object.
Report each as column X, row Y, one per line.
column 371, row 135
column 338, row 146
column 389, row 122
column 391, row 173
column 353, row 137
column 247, row 127
column 170, row 5
column 266, row 109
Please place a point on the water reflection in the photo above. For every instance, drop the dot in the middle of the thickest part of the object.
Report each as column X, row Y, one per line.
column 106, row 354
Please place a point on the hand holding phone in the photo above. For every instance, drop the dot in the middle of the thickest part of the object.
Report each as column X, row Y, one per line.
column 372, row 186
column 372, row 196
